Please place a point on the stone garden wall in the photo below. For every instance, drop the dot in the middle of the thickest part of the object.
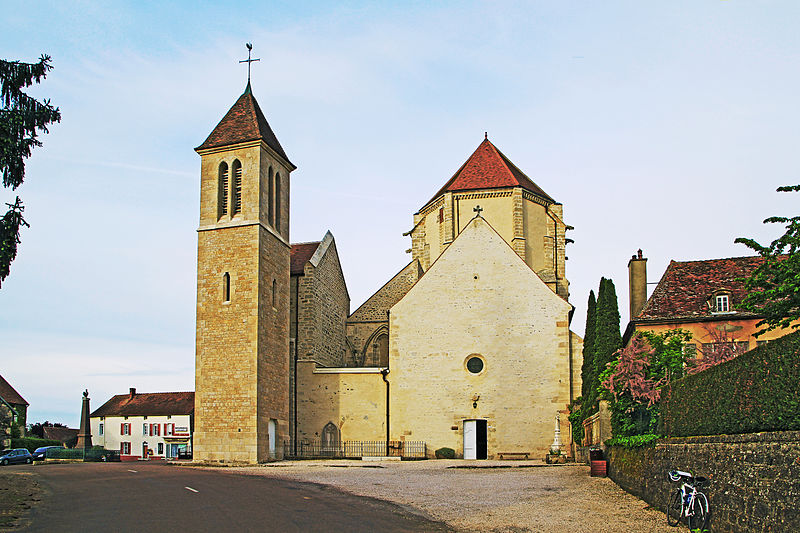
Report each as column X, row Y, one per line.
column 755, row 478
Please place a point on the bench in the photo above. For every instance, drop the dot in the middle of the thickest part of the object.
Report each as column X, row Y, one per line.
column 513, row 455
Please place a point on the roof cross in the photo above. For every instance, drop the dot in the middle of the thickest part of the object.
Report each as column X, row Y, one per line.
column 478, row 210
column 248, row 60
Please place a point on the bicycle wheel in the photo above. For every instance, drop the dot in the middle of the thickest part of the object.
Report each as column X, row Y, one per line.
column 698, row 517
column 674, row 507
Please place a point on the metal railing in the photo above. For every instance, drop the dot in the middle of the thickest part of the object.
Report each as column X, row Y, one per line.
column 91, row 454
column 355, row 449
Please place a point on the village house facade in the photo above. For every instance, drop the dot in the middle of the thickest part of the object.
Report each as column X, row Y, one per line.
column 700, row 297
column 150, row 425
column 467, row 347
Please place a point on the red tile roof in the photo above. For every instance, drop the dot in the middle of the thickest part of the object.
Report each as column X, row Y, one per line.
column 488, row 168
column 686, row 289
column 10, row 395
column 300, row 255
column 148, row 403
column 243, row 122
column 60, row 434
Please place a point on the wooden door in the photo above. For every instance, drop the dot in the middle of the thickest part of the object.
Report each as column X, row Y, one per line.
column 470, row 440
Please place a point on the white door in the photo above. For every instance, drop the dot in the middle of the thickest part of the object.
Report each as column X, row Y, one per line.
column 470, row 441
column 271, row 434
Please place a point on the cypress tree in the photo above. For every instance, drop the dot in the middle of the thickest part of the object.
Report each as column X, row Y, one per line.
column 587, row 368
column 607, row 338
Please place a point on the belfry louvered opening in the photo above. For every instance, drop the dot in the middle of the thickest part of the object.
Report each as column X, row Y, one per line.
column 236, row 200
column 222, row 190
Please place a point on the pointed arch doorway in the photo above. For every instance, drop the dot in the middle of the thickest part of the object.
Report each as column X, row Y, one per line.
column 475, row 445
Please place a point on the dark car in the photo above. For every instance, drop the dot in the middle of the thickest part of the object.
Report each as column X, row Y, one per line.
column 40, row 454
column 16, row 456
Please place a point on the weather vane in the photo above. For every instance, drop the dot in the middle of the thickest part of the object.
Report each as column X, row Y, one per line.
column 248, row 60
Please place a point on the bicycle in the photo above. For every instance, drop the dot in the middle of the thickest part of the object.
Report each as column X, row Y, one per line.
column 688, row 502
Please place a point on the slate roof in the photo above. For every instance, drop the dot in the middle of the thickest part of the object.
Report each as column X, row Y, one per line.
column 10, row 395
column 488, row 168
column 686, row 288
column 148, row 403
column 300, row 255
column 243, row 122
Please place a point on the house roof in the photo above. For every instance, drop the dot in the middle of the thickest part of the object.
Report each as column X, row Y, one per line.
column 489, row 168
column 243, row 122
column 59, row 434
column 300, row 255
column 687, row 288
column 147, row 403
column 10, row 395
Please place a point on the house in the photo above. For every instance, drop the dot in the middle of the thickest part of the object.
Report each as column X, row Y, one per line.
column 14, row 401
column 467, row 347
column 68, row 437
column 700, row 297
column 155, row 425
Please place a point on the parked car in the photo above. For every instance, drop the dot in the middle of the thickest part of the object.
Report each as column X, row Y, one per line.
column 40, row 454
column 16, row 456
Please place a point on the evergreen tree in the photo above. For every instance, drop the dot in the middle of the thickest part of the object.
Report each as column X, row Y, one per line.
column 607, row 338
column 21, row 118
column 587, row 369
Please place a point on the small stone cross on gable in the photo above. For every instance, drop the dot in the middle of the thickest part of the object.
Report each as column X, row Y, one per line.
column 477, row 210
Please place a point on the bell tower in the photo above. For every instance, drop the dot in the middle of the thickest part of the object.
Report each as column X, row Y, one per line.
column 242, row 343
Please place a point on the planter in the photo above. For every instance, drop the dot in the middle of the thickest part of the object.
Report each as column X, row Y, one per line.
column 598, row 468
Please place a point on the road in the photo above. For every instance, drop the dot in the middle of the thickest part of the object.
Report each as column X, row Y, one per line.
column 138, row 496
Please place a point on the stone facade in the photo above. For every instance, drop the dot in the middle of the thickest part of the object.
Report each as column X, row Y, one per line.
column 368, row 326
column 754, row 478
column 533, row 227
column 479, row 299
column 353, row 399
column 242, row 360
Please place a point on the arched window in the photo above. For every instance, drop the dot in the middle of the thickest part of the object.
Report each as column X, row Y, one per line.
column 274, row 294
column 222, row 190
column 226, row 287
column 271, row 199
column 380, row 350
column 236, row 200
column 329, row 439
column 278, row 201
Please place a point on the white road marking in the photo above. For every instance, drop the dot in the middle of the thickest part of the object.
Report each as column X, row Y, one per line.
column 136, row 471
column 191, row 489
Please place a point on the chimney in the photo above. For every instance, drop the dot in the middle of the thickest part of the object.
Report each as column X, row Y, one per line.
column 637, row 283
column 133, row 392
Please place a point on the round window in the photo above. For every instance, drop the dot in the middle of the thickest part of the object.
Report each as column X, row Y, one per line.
column 475, row 365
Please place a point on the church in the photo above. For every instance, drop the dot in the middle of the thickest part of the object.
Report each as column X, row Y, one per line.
column 468, row 347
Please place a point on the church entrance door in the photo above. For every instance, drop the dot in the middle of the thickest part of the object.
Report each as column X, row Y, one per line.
column 475, row 446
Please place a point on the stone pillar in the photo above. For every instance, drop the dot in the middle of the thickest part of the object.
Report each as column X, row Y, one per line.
column 85, row 431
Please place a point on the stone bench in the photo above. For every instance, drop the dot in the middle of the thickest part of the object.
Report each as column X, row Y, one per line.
column 513, row 455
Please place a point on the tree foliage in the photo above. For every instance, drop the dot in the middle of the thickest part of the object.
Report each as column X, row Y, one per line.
column 587, row 368
column 21, row 119
column 635, row 379
column 774, row 287
column 607, row 339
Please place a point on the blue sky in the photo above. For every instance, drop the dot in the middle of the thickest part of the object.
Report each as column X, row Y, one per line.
column 664, row 126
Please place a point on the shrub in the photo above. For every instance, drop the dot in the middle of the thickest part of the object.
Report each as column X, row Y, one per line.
column 31, row 443
column 757, row 391
column 445, row 453
column 635, row 441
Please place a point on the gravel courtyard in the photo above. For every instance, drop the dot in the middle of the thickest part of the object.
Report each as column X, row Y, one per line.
column 496, row 496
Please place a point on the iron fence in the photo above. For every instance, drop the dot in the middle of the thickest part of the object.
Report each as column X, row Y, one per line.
column 356, row 449
column 91, row 454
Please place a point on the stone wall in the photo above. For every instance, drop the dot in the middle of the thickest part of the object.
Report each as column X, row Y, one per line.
column 755, row 478
column 323, row 306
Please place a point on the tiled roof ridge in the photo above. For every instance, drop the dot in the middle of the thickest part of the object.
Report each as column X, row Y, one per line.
column 243, row 122
column 307, row 242
column 503, row 173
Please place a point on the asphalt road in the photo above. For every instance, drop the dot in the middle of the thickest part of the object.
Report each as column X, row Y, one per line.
column 136, row 496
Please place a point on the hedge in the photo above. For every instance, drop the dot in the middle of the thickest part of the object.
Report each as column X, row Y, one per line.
column 32, row 443
column 757, row 391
